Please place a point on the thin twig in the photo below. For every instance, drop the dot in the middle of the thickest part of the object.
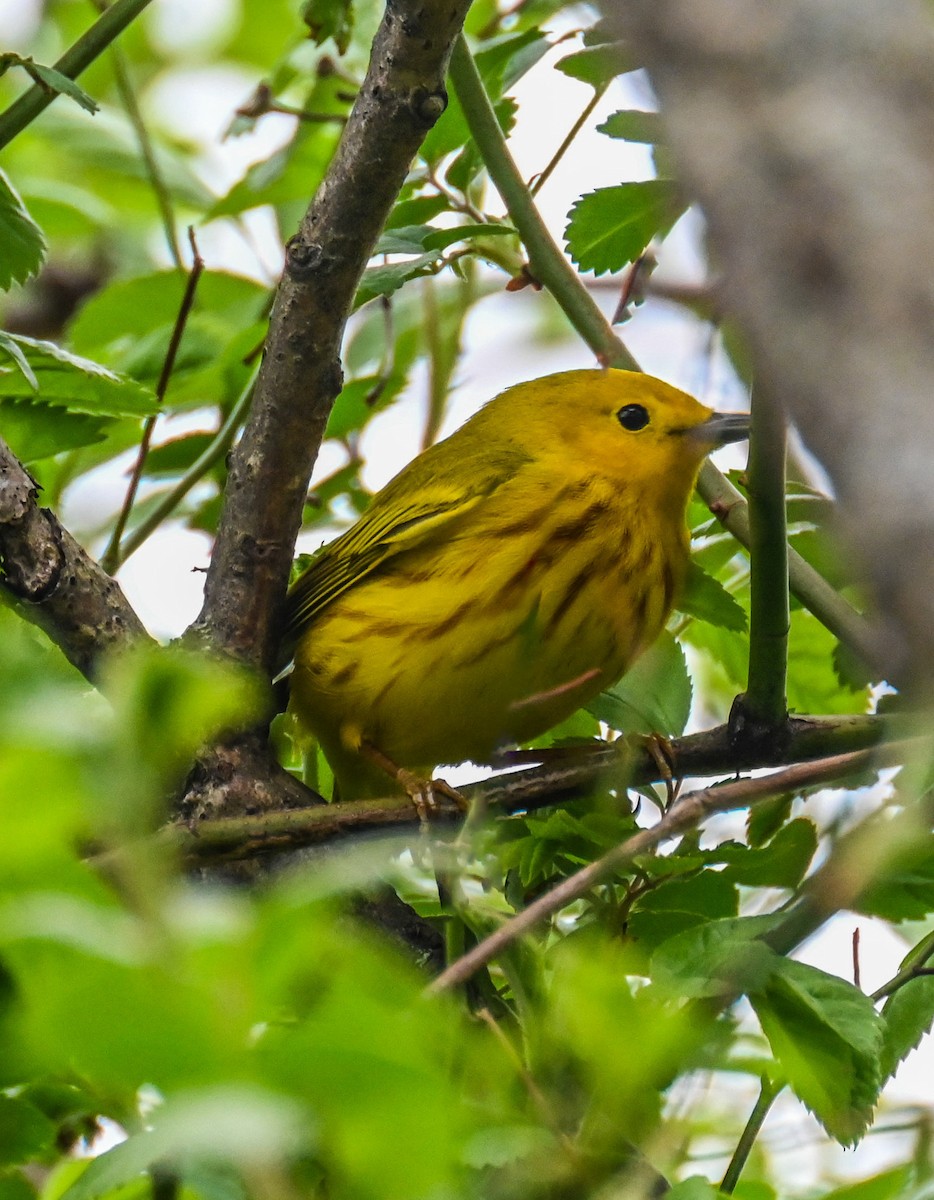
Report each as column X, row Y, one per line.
column 687, row 813
column 153, row 170
column 76, row 58
column 220, row 445
column 575, row 129
column 114, row 555
column 548, row 265
column 766, row 1098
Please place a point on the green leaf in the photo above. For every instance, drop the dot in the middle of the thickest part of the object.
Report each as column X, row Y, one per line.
column 60, row 83
column 25, row 1132
column 419, row 210
column 14, row 1186
column 35, row 431
column 903, row 891
column 630, row 125
column 22, row 246
column 654, row 696
column 782, row 863
column 9, row 347
column 242, row 1124
column 612, row 226
column 329, row 19
column 717, row 958
column 598, row 65
column 67, row 381
column 827, row 1038
column 440, row 239
column 765, row 819
column 383, row 281
column 695, row 1187
column 908, row 1013
column 707, row 599
column 886, row 1186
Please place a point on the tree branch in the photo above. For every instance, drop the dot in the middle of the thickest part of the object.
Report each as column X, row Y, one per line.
column 201, row 836
column 401, row 98
column 53, row 582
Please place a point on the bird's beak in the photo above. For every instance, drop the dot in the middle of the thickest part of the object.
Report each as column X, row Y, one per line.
column 721, row 428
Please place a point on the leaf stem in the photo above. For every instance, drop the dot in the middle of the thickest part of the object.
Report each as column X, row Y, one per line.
column 76, row 58
column 222, row 442
column 765, row 701
column 114, row 555
column 548, row 264
column 147, row 150
column 572, row 134
column 767, row 1094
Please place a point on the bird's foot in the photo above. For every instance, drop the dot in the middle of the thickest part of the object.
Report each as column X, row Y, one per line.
column 424, row 794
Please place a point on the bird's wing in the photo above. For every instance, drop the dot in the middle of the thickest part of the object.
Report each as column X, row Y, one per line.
column 423, row 502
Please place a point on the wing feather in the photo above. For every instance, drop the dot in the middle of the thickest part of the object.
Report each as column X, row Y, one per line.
column 425, row 501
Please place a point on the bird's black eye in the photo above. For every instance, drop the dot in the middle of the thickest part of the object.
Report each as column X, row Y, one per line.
column 633, row 417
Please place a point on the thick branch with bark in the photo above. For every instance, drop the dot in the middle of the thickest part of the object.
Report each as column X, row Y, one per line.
column 53, row 582
column 401, row 98
column 804, row 129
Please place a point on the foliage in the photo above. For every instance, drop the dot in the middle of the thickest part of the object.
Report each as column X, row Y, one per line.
column 168, row 1031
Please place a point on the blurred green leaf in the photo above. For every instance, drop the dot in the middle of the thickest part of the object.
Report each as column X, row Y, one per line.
column 633, row 126
column 25, row 1132
column 329, row 19
column 21, row 238
column 598, row 65
column 68, row 381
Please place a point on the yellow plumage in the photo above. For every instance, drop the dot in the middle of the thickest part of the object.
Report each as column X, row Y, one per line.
column 503, row 578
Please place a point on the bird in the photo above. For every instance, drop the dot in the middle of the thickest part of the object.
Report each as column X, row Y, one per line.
column 501, row 580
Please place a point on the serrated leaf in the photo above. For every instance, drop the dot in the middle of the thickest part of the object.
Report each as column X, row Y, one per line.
column 707, row 599
column 598, row 65
column 22, row 245
column 78, row 384
column 631, row 125
column 654, row 696
column 827, row 1038
column 717, row 958
column 612, row 226
column 908, row 1012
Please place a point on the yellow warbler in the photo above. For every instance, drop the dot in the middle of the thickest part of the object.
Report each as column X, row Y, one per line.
column 503, row 578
